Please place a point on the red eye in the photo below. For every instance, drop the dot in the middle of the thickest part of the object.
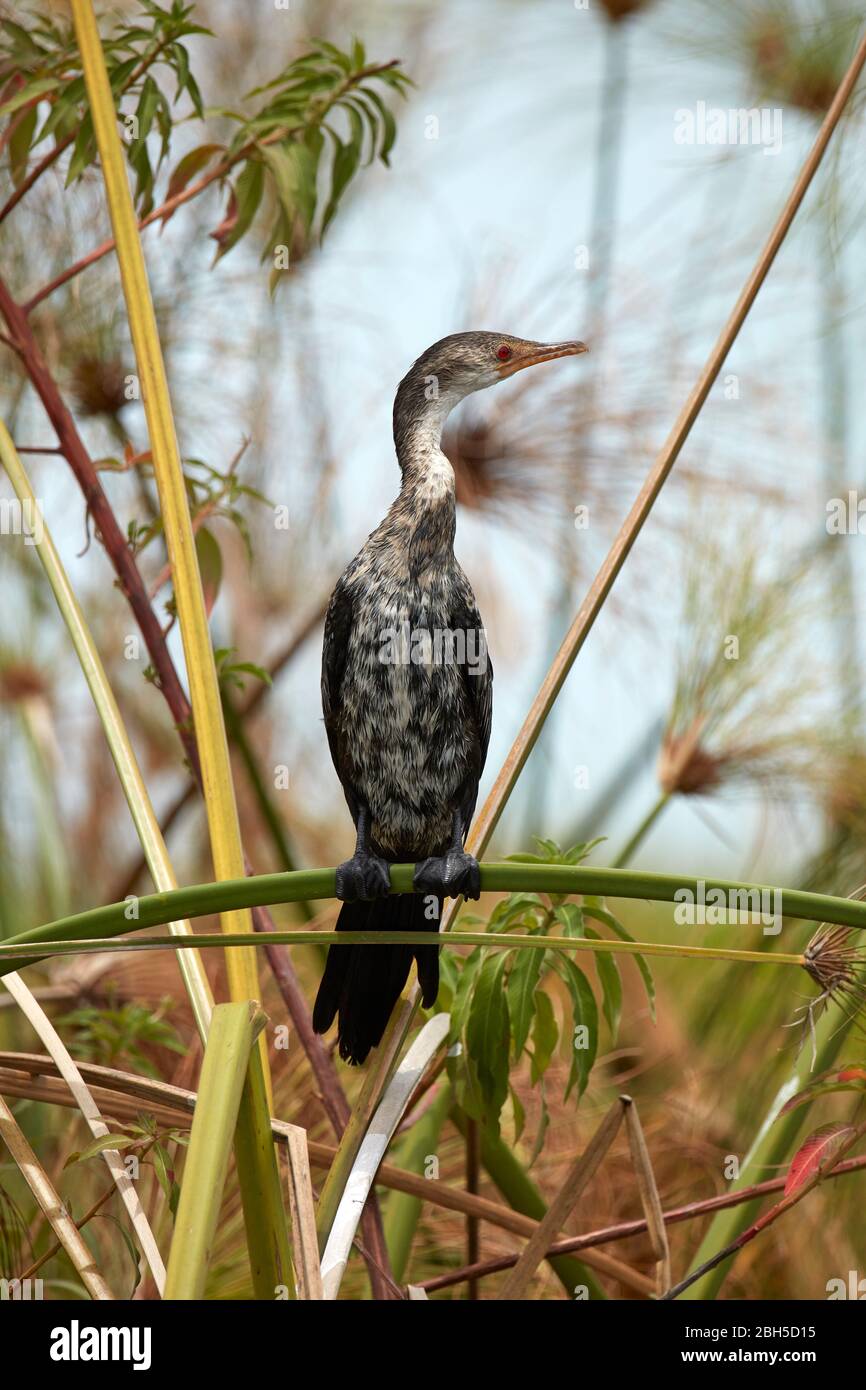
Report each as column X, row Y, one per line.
column 503, row 353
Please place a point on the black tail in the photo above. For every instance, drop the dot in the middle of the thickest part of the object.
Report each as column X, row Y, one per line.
column 363, row 983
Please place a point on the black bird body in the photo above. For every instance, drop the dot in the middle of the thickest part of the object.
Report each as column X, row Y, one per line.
column 407, row 700
column 408, row 735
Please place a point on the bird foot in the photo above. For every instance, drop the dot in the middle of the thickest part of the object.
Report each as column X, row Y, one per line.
column 456, row 874
column 363, row 877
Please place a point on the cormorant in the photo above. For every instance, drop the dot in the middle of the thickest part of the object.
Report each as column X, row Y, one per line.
column 407, row 698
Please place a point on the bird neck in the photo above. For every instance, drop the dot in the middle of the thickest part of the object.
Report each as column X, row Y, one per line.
column 427, row 494
column 427, row 472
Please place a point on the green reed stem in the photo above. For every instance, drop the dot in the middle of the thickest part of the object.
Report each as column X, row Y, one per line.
column 507, row 940
column 156, row 909
column 633, row 844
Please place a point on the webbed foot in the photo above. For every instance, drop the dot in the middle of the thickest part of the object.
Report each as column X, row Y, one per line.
column 363, row 877
column 456, row 874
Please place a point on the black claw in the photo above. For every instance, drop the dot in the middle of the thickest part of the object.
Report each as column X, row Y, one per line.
column 364, row 877
column 455, row 875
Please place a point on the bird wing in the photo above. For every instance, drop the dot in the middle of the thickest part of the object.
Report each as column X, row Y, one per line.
column 335, row 645
column 478, row 683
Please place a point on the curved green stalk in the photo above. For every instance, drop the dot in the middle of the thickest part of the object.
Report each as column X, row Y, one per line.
column 156, row 909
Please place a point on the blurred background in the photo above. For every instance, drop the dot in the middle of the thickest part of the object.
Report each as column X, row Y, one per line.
column 548, row 180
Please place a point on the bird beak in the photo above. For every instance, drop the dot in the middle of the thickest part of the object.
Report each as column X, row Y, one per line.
column 531, row 354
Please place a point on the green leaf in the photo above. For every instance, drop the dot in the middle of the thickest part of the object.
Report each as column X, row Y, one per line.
column 519, row 1114
column 121, row 72
column 448, row 978
column 306, row 159
column 279, row 235
column 147, row 105
column 592, row 908
column 356, row 123
column 236, row 669
column 63, row 114
column 487, row 1031
column 463, row 995
column 515, row 910
column 584, row 1016
column 522, row 982
column 611, row 985
column 467, row 1093
column 343, row 62
column 139, row 161
column 186, row 169
column 293, row 168
column 285, row 170
column 583, row 850
column 543, row 1123
column 83, row 151
column 195, row 96
column 248, row 195
column 131, row 1249
column 25, row 45
column 98, row 1146
column 388, row 123
column 346, row 160
column 33, row 90
column 355, row 103
column 518, row 902
column 185, row 80
column 165, row 1176
column 210, row 563
column 19, row 145
column 552, row 853
column 570, row 918
column 545, row 1035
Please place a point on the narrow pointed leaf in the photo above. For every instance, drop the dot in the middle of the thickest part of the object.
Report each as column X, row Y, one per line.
column 522, row 982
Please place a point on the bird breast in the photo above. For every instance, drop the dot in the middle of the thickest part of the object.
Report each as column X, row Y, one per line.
column 408, row 735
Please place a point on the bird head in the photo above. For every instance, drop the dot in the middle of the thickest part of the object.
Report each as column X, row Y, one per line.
column 460, row 364
column 466, row 362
